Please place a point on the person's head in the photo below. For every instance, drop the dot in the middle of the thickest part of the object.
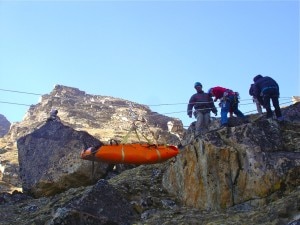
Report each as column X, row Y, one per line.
column 257, row 77
column 198, row 85
column 54, row 112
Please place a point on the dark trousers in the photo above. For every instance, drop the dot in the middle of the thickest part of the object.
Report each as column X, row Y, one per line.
column 268, row 95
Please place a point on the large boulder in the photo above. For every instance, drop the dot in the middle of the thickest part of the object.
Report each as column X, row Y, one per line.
column 49, row 160
column 100, row 204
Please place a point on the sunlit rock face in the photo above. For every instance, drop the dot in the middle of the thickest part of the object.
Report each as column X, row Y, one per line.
column 238, row 165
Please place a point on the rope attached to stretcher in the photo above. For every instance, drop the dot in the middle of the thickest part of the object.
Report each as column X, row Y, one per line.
column 134, row 128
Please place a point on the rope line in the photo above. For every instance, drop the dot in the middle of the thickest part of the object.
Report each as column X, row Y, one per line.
column 181, row 103
column 21, row 92
column 14, row 103
column 131, row 106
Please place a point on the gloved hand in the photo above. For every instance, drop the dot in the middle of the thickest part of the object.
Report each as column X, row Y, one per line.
column 190, row 115
column 216, row 113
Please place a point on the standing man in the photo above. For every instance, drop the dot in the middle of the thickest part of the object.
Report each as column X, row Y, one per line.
column 203, row 105
column 268, row 89
column 228, row 102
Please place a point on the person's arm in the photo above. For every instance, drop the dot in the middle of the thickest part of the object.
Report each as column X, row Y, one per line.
column 256, row 90
column 251, row 90
column 190, row 107
column 277, row 87
column 212, row 106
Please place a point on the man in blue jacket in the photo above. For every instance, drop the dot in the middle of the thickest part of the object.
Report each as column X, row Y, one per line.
column 268, row 89
column 203, row 104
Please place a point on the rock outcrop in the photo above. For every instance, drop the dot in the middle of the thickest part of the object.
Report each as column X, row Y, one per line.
column 100, row 204
column 4, row 125
column 49, row 160
column 239, row 165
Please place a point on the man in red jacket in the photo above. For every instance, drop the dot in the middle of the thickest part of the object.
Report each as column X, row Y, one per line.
column 203, row 105
column 228, row 103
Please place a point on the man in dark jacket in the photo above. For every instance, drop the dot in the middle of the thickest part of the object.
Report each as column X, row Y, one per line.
column 268, row 89
column 203, row 105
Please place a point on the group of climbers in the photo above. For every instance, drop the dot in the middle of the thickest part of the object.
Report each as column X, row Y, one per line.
column 263, row 90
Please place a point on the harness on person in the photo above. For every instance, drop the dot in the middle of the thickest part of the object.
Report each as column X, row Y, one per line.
column 266, row 88
column 234, row 102
column 232, row 97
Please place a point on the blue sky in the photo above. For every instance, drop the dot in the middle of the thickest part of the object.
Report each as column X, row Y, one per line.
column 149, row 52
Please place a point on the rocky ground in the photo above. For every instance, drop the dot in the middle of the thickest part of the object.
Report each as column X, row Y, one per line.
column 152, row 204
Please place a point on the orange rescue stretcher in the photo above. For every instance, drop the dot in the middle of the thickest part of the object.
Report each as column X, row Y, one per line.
column 135, row 153
column 130, row 153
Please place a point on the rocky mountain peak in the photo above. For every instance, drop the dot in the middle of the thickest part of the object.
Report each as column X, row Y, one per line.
column 104, row 117
column 65, row 91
